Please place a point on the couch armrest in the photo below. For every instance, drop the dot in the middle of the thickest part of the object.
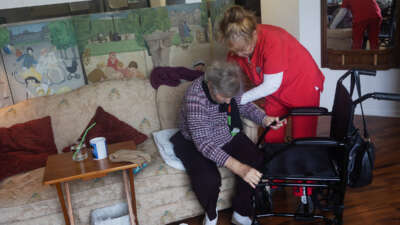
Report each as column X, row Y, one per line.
column 250, row 129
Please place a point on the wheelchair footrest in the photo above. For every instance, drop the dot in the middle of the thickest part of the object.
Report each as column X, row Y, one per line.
column 300, row 217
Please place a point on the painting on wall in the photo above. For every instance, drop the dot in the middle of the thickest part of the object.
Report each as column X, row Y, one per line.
column 102, row 33
column 41, row 59
column 125, row 65
column 114, row 45
column 176, row 35
column 189, row 22
column 217, row 9
column 191, row 35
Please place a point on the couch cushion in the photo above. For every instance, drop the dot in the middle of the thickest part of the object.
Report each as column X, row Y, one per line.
column 113, row 129
column 169, row 101
column 25, row 146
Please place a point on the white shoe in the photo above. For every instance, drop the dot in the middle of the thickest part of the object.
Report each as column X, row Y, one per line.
column 207, row 221
column 238, row 219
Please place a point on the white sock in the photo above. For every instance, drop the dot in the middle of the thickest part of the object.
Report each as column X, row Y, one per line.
column 207, row 221
column 240, row 220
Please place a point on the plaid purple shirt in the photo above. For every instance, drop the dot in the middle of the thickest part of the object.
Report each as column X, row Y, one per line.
column 201, row 122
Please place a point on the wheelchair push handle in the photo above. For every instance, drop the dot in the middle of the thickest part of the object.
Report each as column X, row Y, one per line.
column 366, row 72
column 387, row 96
column 379, row 96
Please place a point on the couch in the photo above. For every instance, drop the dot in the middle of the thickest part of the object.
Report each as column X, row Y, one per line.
column 163, row 194
column 339, row 39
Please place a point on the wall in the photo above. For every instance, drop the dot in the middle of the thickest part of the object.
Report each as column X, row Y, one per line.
column 284, row 15
column 308, row 21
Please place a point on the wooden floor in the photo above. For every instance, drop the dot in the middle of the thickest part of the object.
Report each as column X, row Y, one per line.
column 376, row 204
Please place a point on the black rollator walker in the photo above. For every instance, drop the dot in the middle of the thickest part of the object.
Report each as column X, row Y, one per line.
column 319, row 164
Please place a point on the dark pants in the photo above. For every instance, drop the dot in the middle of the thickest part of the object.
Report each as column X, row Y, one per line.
column 206, row 179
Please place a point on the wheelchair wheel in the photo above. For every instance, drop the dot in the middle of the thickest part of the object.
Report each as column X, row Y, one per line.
column 326, row 199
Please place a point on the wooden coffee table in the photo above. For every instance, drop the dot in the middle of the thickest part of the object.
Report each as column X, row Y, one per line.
column 61, row 169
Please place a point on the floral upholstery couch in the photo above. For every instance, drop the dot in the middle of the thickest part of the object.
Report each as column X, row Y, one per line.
column 163, row 194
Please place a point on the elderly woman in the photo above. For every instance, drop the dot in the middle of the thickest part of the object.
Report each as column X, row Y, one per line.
column 210, row 136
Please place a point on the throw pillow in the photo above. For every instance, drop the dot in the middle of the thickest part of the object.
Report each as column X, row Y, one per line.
column 113, row 129
column 25, row 146
column 166, row 148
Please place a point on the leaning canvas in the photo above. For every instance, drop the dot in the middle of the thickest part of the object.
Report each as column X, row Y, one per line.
column 41, row 58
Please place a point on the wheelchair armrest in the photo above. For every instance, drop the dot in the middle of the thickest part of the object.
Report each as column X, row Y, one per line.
column 309, row 111
column 318, row 141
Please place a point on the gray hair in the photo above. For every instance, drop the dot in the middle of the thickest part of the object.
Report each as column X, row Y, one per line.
column 224, row 78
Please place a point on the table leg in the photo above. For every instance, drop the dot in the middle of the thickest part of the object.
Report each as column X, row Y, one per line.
column 131, row 216
column 62, row 203
column 132, row 184
column 68, row 195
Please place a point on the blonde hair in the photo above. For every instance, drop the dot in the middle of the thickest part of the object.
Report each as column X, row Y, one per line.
column 224, row 78
column 237, row 23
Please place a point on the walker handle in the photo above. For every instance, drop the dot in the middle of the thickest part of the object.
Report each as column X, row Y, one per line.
column 267, row 129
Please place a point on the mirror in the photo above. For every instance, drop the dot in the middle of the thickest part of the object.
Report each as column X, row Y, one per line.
column 345, row 46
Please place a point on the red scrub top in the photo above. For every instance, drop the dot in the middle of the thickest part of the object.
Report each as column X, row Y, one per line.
column 362, row 9
column 278, row 51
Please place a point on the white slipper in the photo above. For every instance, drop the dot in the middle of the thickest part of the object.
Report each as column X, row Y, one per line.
column 207, row 221
column 238, row 219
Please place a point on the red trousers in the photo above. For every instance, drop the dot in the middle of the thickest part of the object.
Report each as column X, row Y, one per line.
column 302, row 126
column 372, row 26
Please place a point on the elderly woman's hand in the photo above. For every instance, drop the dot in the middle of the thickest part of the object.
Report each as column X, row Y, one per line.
column 250, row 175
column 247, row 173
column 270, row 120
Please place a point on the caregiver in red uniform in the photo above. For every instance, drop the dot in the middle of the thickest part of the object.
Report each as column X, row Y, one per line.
column 366, row 17
column 283, row 71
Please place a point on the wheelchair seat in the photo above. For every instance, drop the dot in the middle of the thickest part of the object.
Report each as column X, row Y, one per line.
column 286, row 161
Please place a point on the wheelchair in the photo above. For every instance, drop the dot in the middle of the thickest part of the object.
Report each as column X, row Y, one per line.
column 316, row 165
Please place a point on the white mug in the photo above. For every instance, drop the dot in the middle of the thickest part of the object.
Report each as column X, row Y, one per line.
column 99, row 148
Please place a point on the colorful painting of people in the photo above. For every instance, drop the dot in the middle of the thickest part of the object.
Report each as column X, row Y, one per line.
column 30, row 77
column 126, row 72
column 28, row 59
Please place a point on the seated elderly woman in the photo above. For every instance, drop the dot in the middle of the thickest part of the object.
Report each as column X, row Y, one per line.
column 210, row 136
